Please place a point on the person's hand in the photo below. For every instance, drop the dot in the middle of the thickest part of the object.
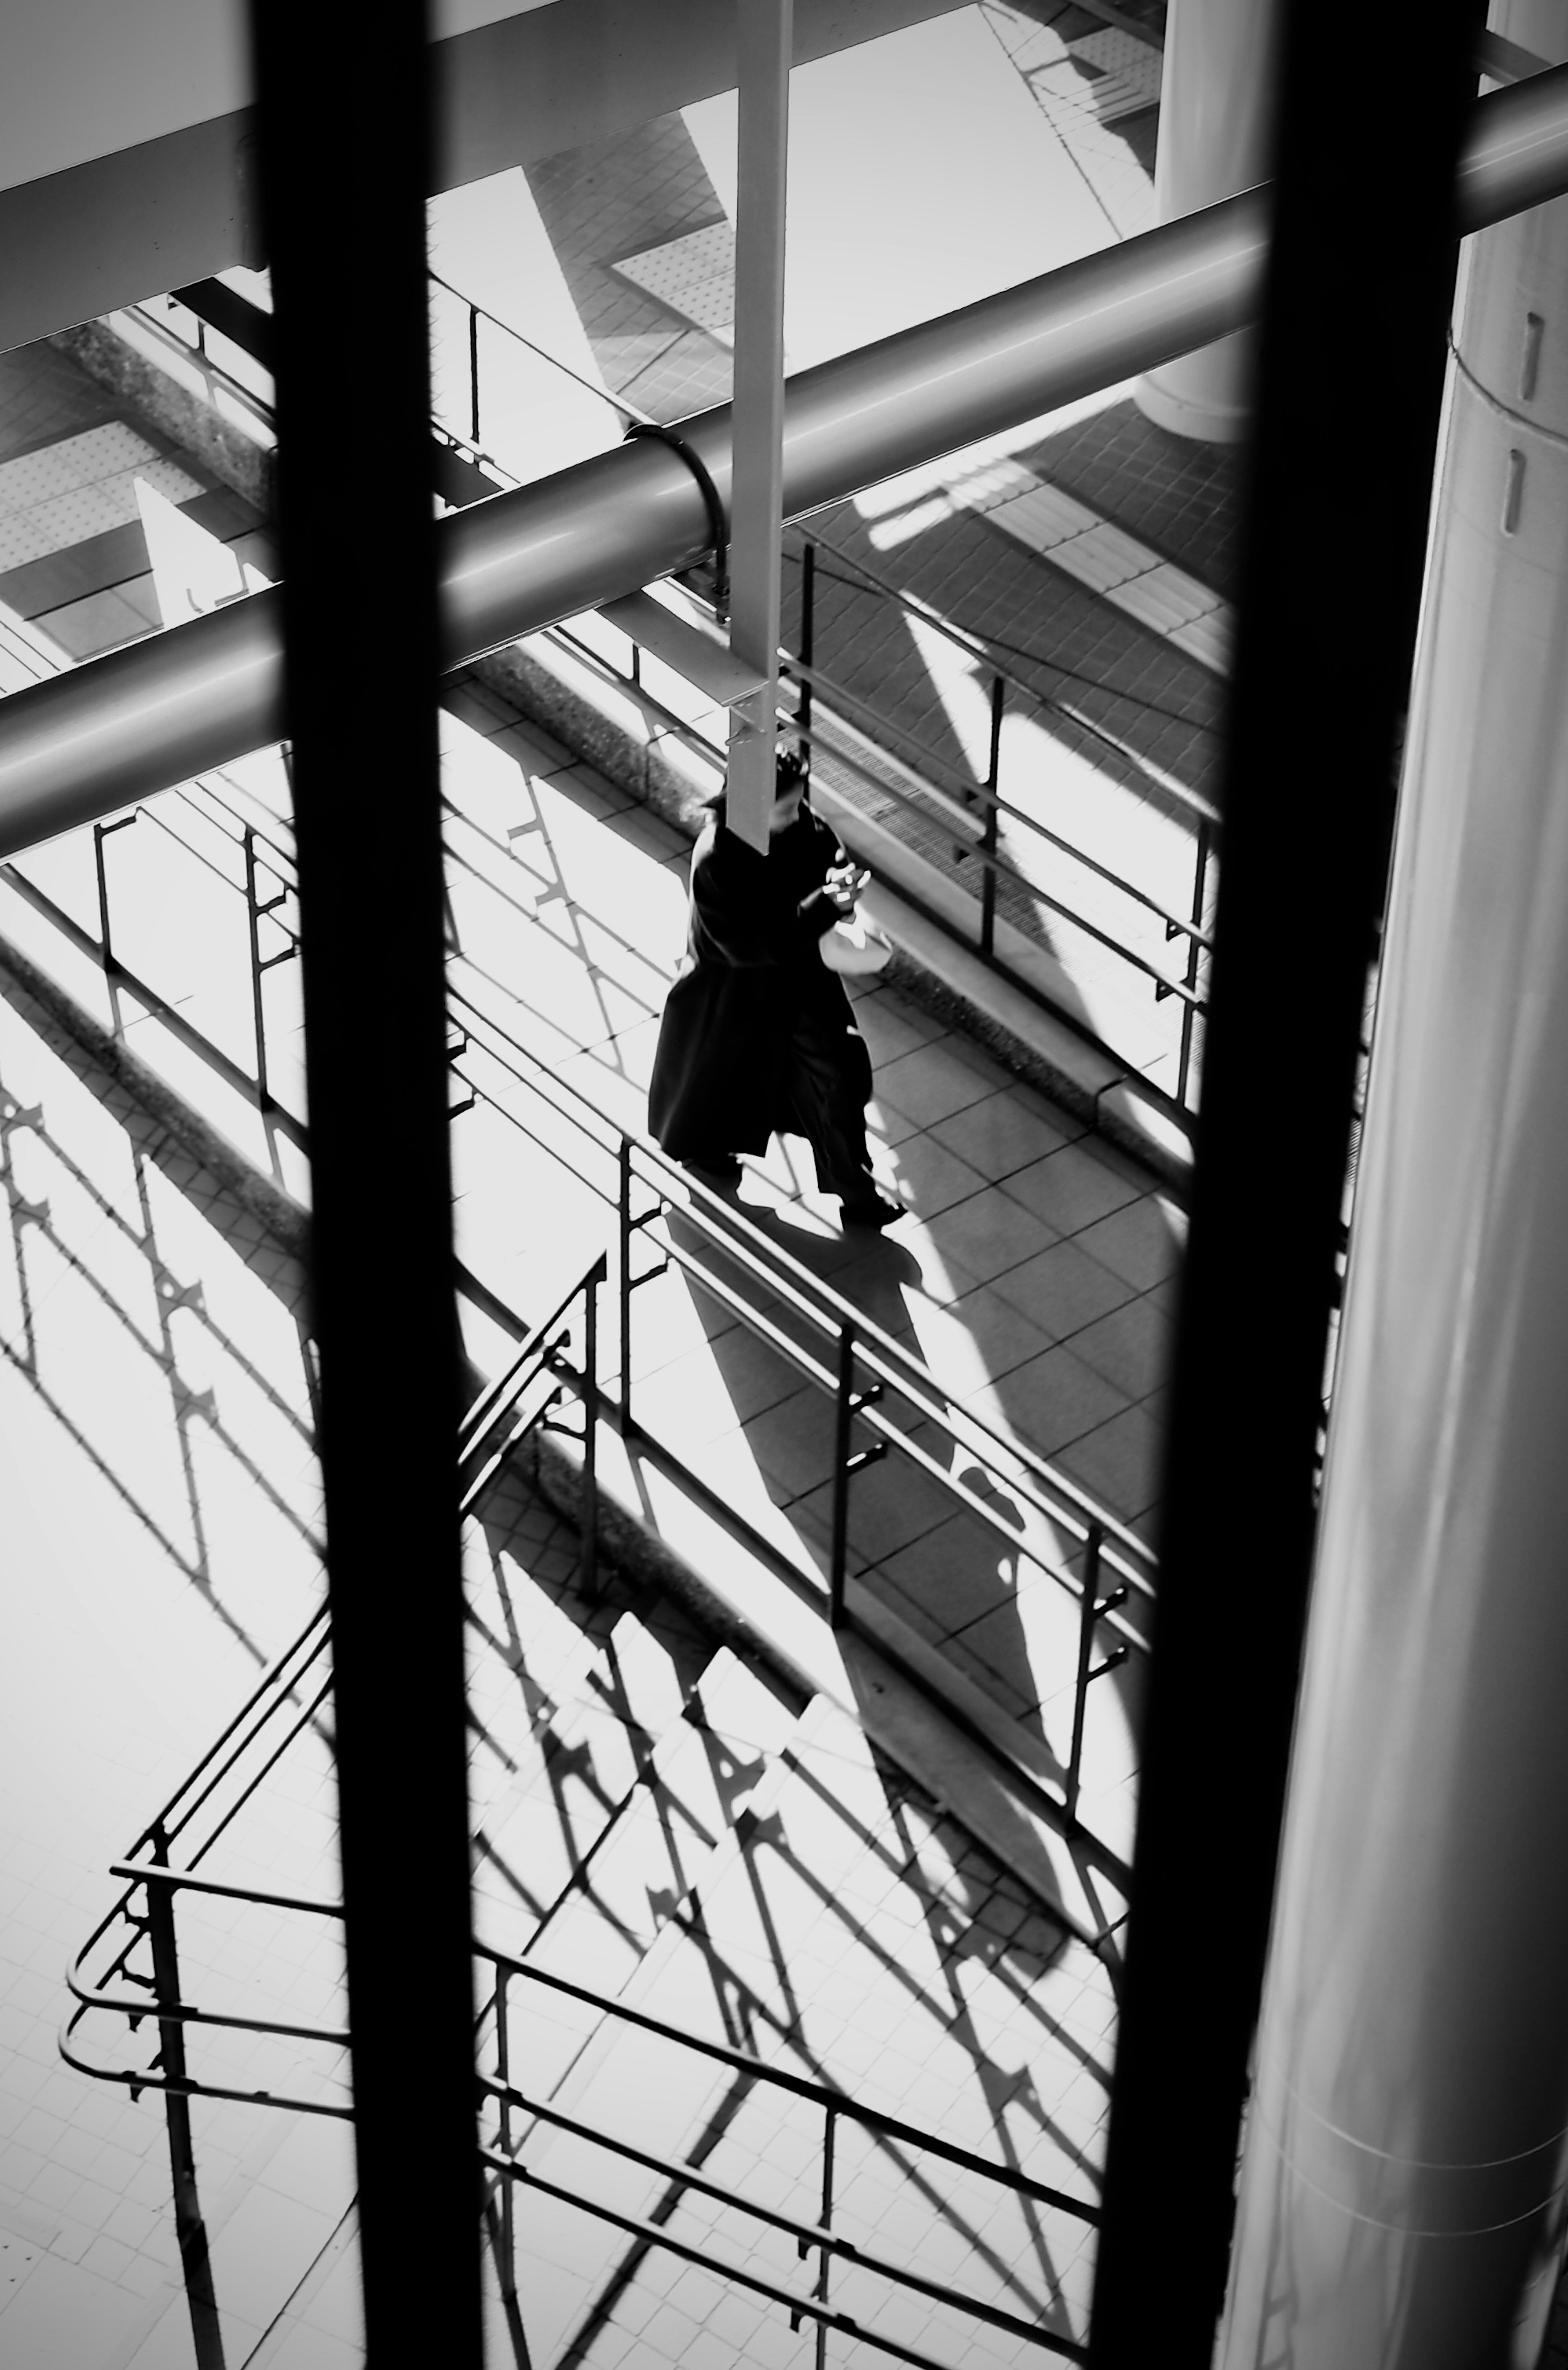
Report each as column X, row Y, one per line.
column 845, row 884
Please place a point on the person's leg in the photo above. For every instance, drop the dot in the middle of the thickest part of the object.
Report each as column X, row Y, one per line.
column 718, row 1169
column 829, row 1084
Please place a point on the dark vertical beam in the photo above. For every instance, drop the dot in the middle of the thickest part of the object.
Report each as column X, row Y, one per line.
column 1350, row 379
column 345, row 144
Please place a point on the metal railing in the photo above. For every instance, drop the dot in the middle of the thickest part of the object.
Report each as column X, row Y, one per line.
column 130, row 1968
column 1026, row 868
column 1042, row 1518
column 159, row 1997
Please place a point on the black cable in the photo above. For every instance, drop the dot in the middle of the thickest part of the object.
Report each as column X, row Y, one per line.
column 718, row 531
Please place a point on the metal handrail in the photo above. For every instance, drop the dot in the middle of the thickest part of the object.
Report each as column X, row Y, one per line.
column 850, row 1358
column 809, row 2308
column 157, row 1997
column 981, row 796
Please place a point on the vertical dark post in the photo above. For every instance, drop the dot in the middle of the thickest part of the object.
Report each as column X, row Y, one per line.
column 1089, row 1615
column 100, row 833
column 844, row 1412
column 807, row 633
column 253, row 923
column 990, row 829
column 825, row 2262
column 1189, row 1011
column 508, row 2265
column 345, row 163
column 1308, row 791
column 103, row 897
column 624, row 1274
column 191, row 2231
column 587, row 1570
column 474, row 373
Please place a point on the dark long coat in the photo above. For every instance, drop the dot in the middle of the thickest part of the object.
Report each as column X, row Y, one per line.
column 751, row 976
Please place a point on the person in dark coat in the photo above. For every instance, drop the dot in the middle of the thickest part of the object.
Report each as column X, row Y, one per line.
column 758, row 1036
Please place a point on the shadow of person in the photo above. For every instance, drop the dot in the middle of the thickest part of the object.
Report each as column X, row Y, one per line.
column 924, row 1559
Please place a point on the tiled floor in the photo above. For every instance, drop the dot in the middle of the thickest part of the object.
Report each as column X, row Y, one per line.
column 623, row 1773
column 1033, row 1277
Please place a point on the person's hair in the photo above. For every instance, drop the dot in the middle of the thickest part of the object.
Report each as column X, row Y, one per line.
column 792, row 771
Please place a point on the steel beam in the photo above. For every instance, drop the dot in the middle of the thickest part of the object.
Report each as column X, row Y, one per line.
column 344, row 148
column 765, row 30
column 1335, row 531
column 201, row 694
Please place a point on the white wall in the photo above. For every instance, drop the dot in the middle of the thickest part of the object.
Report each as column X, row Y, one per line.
column 82, row 79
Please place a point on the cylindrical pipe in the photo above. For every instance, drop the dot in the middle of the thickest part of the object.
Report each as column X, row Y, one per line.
column 382, row 1267
column 1216, row 104
column 1309, row 812
column 201, row 694
column 1403, row 2190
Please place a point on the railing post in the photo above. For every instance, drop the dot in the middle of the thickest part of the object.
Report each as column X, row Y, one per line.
column 587, row 1570
column 989, row 834
column 1189, row 1011
column 1088, row 1613
column 828, row 2136
column 508, row 2265
column 808, row 632
column 253, row 920
column 191, row 2231
column 844, row 1412
column 474, row 373
column 624, row 1277
column 103, row 898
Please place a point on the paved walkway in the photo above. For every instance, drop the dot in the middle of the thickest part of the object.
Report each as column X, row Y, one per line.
column 652, row 1817
column 1033, row 1278
column 1089, row 557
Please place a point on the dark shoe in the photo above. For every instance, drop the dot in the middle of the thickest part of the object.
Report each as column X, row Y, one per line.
column 722, row 1173
column 871, row 1210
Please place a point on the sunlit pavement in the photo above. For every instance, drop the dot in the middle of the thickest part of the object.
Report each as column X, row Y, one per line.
column 157, row 1408
column 163, row 1496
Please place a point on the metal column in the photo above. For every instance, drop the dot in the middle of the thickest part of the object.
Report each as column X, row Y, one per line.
column 1329, row 591
column 344, row 149
column 766, row 40
column 1215, row 121
column 1401, row 2201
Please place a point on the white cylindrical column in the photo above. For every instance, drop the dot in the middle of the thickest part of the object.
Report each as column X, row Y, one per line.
column 1215, row 116
column 1402, row 2196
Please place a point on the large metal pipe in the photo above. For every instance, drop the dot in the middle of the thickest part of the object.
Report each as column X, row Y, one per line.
column 1307, row 798
column 1216, row 86
column 203, row 693
column 382, row 1308
column 1402, row 2198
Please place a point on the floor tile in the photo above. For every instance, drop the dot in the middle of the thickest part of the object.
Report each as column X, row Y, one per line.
column 990, row 1234
column 1142, row 1241
column 1010, row 1130
column 934, row 1081
column 931, row 1178
column 1131, row 1347
column 1063, row 1289
column 1118, row 1462
column 1074, row 1186
column 1057, row 1398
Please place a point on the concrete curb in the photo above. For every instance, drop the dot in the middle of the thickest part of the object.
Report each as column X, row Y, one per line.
column 233, row 458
